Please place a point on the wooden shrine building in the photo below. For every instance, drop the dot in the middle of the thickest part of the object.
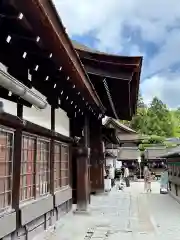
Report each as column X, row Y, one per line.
column 152, row 156
column 110, row 138
column 126, row 150
column 54, row 156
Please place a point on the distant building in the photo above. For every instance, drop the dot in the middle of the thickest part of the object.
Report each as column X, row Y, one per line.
column 126, row 150
column 153, row 157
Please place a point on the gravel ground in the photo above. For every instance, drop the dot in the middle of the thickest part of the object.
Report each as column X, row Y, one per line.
column 129, row 214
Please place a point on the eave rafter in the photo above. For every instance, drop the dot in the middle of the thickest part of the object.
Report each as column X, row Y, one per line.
column 46, row 23
column 45, row 68
column 110, row 98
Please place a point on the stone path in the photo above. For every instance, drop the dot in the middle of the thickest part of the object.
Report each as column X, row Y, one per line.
column 127, row 215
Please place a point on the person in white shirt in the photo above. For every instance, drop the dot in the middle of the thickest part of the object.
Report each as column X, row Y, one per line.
column 126, row 176
column 112, row 174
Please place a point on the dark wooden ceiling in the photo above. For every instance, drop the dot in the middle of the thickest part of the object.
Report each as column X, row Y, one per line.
column 122, row 75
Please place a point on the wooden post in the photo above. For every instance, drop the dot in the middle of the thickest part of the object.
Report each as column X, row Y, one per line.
column 97, row 164
column 52, row 151
column 82, row 171
column 82, row 184
column 87, row 145
column 74, row 132
column 17, row 165
column 80, row 155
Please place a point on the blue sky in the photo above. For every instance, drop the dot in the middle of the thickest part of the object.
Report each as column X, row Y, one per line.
column 132, row 27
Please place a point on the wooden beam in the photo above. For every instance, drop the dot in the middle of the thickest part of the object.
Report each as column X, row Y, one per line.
column 87, row 145
column 17, row 165
column 52, row 151
column 97, row 164
column 82, row 184
column 111, row 59
column 105, row 73
column 80, row 163
column 82, row 172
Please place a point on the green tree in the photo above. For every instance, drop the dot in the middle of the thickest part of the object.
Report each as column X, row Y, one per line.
column 159, row 119
column 138, row 122
column 156, row 120
column 176, row 119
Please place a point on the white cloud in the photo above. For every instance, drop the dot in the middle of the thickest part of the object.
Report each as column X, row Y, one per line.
column 166, row 87
column 168, row 55
column 157, row 21
column 107, row 18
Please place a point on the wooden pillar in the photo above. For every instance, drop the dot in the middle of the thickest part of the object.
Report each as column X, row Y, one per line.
column 82, row 171
column 73, row 159
column 17, row 165
column 52, row 150
column 82, row 183
column 97, row 161
column 80, row 163
column 87, row 145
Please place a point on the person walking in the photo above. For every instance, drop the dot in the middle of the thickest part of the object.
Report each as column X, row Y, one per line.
column 107, row 180
column 147, row 179
column 112, row 175
column 126, row 176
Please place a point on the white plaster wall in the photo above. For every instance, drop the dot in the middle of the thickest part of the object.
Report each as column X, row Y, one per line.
column 118, row 164
column 113, row 162
column 110, row 161
column 41, row 117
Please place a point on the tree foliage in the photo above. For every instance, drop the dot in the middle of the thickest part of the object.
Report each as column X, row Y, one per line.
column 138, row 122
column 152, row 140
column 157, row 123
column 176, row 119
column 155, row 120
column 159, row 119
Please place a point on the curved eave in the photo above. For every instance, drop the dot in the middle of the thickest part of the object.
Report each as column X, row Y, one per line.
column 108, row 70
column 121, row 73
column 123, row 87
column 175, row 154
column 118, row 125
column 101, row 56
column 110, row 63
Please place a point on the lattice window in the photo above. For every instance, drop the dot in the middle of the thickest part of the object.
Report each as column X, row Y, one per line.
column 42, row 167
column 6, row 146
column 28, row 158
column 64, row 165
column 57, row 165
column 35, row 169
